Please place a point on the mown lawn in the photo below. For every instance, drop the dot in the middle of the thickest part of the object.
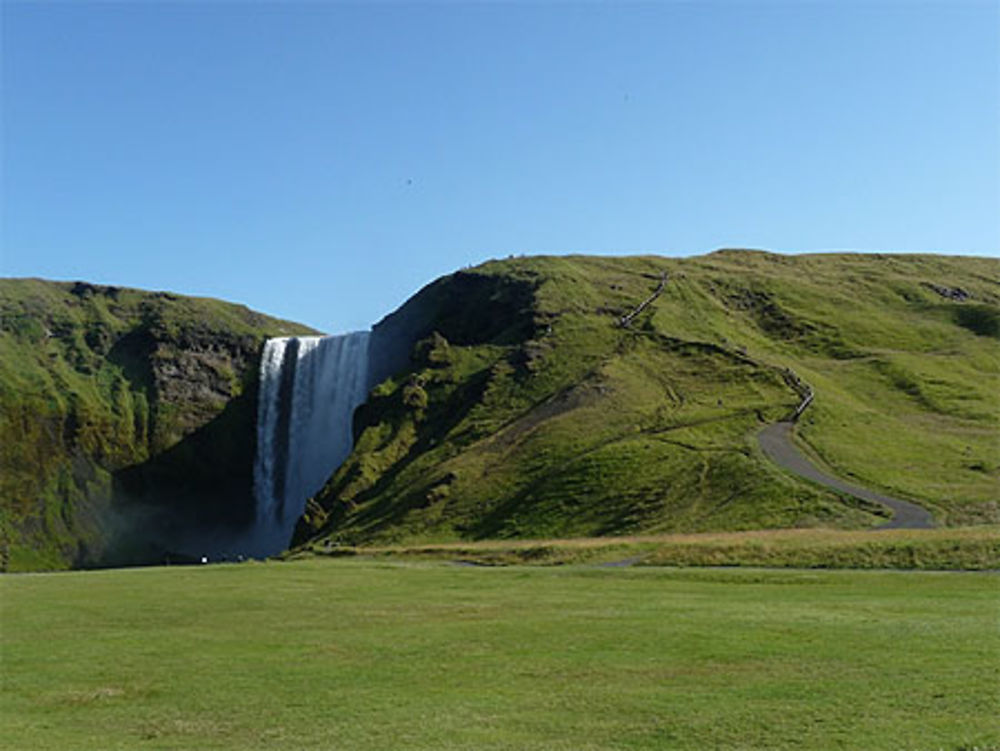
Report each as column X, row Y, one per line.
column 320, row 654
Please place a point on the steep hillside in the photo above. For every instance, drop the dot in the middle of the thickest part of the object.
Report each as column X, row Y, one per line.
column 528, row 410
column 126, row 420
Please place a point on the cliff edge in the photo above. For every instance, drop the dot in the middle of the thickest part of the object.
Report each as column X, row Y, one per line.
column 126, row 422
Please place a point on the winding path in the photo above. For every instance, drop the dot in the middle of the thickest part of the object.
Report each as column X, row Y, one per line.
column 776, row 442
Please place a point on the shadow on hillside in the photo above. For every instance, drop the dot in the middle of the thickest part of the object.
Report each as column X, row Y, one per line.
column 391, row 509
column 195, row 498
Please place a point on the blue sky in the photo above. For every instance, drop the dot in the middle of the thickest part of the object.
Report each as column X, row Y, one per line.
column 322, row 161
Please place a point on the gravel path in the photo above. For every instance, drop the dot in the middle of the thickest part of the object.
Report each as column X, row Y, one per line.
column 776, row 442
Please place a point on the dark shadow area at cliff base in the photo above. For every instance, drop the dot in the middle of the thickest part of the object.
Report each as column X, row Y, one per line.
column 195, row 498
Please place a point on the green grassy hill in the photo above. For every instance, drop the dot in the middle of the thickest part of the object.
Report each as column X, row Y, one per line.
column 516, row 404
column 125, row 416
column 527, row 410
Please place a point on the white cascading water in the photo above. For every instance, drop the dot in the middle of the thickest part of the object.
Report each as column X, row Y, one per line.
column 309, row 389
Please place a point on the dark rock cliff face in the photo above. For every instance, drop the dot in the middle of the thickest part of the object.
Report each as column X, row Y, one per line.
column 128, row 423
column 196, row 487
column 466, row 308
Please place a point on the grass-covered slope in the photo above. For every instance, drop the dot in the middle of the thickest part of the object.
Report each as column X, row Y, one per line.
column 124, row 416
column 527, row 410
column 974, row 548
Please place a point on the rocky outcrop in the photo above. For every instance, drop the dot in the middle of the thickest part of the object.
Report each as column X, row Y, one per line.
column 950, row 293
column 466, row 308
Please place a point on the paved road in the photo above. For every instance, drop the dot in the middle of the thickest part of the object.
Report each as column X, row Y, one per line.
column 776, row 442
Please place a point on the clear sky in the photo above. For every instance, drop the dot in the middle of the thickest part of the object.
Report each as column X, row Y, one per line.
column 321, row 161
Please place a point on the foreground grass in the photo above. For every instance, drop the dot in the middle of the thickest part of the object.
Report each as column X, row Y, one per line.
column 949, row 549
column 369, row 655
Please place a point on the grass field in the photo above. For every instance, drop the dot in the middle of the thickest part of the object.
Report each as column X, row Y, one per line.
column 351, row 654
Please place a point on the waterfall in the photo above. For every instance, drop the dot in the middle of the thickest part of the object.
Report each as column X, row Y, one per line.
column 309, row 389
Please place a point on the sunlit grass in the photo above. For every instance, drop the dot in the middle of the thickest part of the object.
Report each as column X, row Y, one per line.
column 969, row 548
column 356, row 655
